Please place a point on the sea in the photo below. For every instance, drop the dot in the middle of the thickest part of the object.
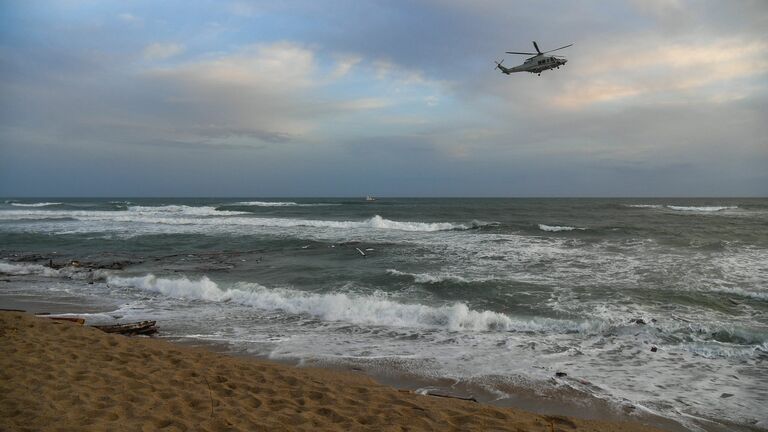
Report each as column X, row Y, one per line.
column 647, row 308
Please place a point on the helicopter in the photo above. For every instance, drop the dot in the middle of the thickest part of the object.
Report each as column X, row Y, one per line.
column 536, row 64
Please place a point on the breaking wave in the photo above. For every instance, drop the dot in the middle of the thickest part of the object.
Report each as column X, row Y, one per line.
column 555, row 228
column 181, row 210
column 187, row 215
column 363, row 309
column 40, row 204
column 701, row 209
column 644, row 205
column 279, row 204
column 683, row 208
column 427, row 278
column 70, row 272
column 28, row 269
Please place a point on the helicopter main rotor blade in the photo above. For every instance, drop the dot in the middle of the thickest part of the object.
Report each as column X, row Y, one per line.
column 557, row 49
column 524, row 53
column 535, row 45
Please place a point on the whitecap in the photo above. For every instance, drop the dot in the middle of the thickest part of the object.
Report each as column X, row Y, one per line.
column 644, row 205
column 28, row 269
column 702, row 208
column 428, row 278
column 363, row 309
column 40, row 204
column 555, row 228
column 279, row 204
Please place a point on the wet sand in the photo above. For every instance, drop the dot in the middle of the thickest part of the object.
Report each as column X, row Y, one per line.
column 61, row 376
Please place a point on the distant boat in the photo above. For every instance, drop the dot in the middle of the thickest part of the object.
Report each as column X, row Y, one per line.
column 370, row 198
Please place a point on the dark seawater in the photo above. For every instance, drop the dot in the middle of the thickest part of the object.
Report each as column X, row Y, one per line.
column 495, row 293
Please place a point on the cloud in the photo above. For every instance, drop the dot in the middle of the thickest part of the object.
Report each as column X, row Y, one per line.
column 265, row 67
column 162, row 51
column 344, row 65
column 244, row 9
column 662, row 72
column 283, row 89
column 130, row 18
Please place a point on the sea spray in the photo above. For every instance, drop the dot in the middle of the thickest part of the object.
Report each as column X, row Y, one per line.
column 360, row 309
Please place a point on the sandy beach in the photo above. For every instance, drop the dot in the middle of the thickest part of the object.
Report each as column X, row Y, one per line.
column 61, row 376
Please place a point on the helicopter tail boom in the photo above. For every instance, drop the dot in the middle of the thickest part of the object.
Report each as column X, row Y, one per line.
column 502, row 68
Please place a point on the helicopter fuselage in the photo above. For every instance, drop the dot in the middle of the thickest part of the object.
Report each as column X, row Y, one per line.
column 536, row 64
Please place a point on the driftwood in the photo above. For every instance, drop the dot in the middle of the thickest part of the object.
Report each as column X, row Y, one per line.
column 471, row 399
column 130, row 329
column 76, row 320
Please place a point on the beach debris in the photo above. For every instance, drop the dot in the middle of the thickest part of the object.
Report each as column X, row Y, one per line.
column 560, row 374
column 726, row 395
column 443, row 395
column 76, row 320
column 361, row 252
column 130, row 329
column 654, row 348
column 638, row 321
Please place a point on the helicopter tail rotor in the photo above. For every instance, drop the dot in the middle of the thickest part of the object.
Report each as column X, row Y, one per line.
column 500, row 67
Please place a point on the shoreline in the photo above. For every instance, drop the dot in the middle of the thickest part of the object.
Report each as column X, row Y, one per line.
column 59, row 374
column 550, row 402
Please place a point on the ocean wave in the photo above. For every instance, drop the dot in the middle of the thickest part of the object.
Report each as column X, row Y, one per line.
column 376, row 222
column 28, row 269
column 702, row 208
column 40, row 204
column 644, row 205
column 683, row 208
column 757, row 295
column 279, row 204
column 181, row 210
column 555, row 228
column 362, row 309
column 186, row 215
column 427, row 278
column 714, row 349
column 69, row 272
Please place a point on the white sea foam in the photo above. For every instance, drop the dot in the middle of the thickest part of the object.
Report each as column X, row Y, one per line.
column 555, row 228
column 363, row 309
column 280, row 204
column 644, row 205
column 40, row 204
column 684, row 208
column 187, row 215
column 427, row 278
column 70, row 272
column 181, row 210
column 28, row 269
column 702, row 208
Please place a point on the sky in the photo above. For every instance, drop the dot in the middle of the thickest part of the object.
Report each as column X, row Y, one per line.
column 386, row 98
